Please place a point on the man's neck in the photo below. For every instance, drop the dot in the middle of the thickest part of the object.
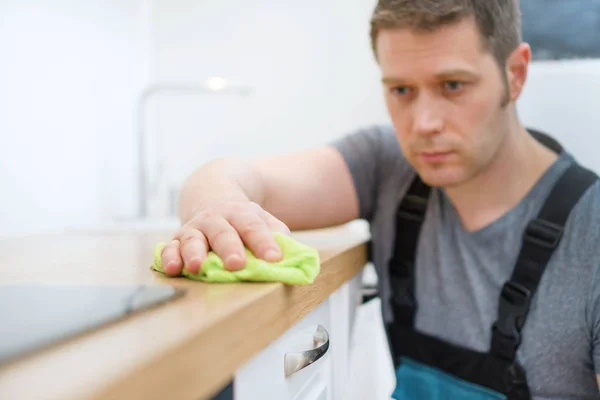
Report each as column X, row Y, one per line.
column 519, row 164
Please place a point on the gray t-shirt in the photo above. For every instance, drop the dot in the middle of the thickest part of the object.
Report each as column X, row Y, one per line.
column 460, row 274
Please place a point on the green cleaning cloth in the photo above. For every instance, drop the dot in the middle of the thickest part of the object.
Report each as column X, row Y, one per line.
column 299, row 266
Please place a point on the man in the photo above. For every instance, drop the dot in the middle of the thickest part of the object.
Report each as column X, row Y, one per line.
column 459, row 180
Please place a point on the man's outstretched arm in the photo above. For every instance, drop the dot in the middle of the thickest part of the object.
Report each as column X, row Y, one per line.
column 229, row 203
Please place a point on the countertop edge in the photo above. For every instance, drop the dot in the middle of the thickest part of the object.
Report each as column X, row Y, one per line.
column 199, row 361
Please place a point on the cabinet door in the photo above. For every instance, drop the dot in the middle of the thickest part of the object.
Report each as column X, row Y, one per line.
column 343, row 303
column 319, row 391
column 263, row 377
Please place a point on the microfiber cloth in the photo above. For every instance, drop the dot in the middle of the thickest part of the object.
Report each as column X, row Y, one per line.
column 299, row 266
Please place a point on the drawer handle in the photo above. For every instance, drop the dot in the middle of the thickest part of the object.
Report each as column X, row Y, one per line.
column 294, row 362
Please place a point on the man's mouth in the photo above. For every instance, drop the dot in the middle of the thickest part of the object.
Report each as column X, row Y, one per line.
column 434, row 156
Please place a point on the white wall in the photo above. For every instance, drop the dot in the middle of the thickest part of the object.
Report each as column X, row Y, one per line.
column 71, row 71
column 68, row 73
column 562, row 98
column 309, row 62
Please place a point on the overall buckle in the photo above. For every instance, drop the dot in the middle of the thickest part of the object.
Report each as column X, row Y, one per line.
column 413, row 208
column 512, row 308
column 543, row 233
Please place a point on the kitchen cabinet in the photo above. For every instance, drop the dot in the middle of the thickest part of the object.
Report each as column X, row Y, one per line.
column 325, row 331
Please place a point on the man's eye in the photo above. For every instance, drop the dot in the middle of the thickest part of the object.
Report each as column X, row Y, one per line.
column 453, row 86
column 401, row 90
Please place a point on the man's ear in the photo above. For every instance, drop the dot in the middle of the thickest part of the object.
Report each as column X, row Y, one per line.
column 517, row 67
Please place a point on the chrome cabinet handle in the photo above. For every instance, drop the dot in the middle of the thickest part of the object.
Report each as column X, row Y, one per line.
column 294, row 362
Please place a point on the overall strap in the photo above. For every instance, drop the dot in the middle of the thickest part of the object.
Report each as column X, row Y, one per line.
column 409, row 218
column 546, row 140
column 541, row 238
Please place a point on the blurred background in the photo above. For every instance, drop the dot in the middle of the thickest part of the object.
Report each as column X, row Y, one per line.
column 106, row 106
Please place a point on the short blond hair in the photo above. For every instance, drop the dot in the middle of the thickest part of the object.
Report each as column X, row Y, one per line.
column 499, row 21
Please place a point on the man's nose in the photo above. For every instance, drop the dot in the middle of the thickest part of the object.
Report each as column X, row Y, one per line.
column 428, row 118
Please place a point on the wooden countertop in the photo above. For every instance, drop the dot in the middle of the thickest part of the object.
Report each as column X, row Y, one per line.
column 186, row 349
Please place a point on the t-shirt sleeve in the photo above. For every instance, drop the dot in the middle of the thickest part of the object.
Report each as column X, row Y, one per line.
column 369, row 153
column 594, row 318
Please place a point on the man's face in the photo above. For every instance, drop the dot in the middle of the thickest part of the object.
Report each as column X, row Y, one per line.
column 446, row 98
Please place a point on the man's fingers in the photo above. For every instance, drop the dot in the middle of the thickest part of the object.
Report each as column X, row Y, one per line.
column 256, row 235
column 224, row 230
column 193, row 248
column 224, row 241
column 171, row 259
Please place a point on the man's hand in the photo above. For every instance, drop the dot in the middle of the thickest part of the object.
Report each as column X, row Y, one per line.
column 224, row 228
column 223, row 206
